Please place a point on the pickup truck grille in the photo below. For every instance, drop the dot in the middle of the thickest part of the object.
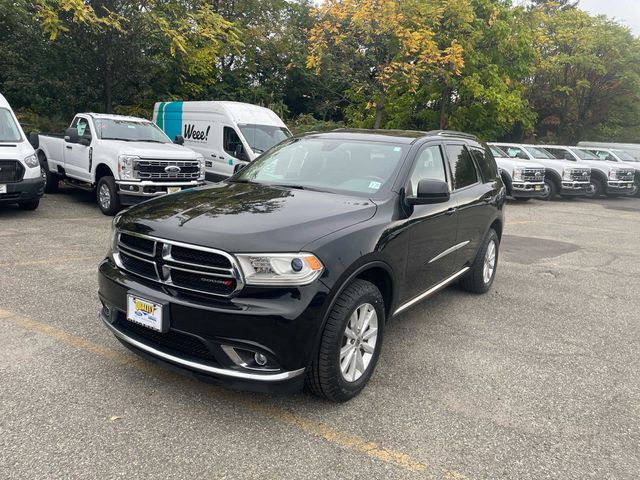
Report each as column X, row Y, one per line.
column 533, row 175
column 161, row 170
column 581, row 175
column 188, row 267
column 11, row 171
column 625, row 175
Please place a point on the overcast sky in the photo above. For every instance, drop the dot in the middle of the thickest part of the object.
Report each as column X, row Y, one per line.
column 625, row 11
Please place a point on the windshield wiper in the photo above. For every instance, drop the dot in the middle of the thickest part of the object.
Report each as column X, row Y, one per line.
column 149, row 140
column 118, row 139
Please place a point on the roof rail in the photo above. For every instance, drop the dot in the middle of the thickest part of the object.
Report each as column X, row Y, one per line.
column 452, row 133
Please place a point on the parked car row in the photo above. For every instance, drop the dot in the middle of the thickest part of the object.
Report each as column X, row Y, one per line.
column 568, row 171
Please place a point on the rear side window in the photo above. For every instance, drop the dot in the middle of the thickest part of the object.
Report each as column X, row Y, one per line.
column 485, row 161
column 429, row 164
column 463, row 169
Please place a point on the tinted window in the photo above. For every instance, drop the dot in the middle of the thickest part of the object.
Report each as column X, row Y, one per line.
column 429, row 164
column 485, row 161
column 462, row 168
column 230, row 141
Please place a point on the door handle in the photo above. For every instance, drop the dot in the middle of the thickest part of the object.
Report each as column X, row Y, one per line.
column 451, row 211
column 69, row 147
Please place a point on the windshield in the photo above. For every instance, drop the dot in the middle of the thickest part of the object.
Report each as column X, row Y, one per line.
column 129, row 131
column 262, row 137
column 9, row 131
column 624, row 156
column 334, row 165
column 540, row 153
column 585, row 154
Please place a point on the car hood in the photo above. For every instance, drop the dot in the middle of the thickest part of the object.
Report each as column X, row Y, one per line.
column 154, row 150
column 242, row 217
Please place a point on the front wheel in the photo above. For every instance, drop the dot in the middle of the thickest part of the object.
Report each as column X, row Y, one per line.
column 29, row 205
column 107, row 196
column 550, row 189
column 483, row 270
column 597, row 189
column 51, row 180
column 350, row 344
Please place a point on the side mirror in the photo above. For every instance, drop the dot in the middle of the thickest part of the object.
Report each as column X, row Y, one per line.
column 430, row 191
column 71, row 135
column 34, row 140
column 179, row 140
column 238, row 167
column 568, row 156
column 521, row 155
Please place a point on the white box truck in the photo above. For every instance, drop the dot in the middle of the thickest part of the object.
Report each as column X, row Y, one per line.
column 226, row 134
column 21, row 180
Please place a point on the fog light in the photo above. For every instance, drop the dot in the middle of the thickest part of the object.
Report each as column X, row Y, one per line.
column 260, row 359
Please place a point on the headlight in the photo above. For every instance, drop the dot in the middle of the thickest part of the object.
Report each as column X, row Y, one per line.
column 201, row 165
column 31, row 161
column 566, row 174
column 613, row 174
column 517, row 174
column 280, row 268
column 127, row 167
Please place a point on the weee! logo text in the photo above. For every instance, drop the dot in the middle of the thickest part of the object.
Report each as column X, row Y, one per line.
column 190, row 133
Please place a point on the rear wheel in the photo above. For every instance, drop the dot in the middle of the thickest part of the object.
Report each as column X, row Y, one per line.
column 350, row 344
column 483, row 270
column 29, row 205
column 107, row 196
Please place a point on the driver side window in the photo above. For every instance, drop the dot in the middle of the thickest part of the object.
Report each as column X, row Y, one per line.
column 429, row 164
column 82, row 124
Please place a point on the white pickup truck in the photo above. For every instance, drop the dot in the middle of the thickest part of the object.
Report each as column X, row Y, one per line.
column 124, row 159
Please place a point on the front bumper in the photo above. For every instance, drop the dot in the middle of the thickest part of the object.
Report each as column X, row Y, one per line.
column 528, row 189
column 132, row 192
column 282, row 324
column 24, row 191
column 575, row 188
column 621, row 188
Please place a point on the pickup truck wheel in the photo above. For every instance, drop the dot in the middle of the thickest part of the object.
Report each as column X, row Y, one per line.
column 107, row 196
column 51, row 180
column 483, row 270
column 29, row 205
column 550, row 189
column 350, row 344
column 597, row 189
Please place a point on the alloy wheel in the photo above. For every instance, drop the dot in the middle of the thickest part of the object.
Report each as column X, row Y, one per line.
column 489, row 262
column 359, row 342
column 104, row 196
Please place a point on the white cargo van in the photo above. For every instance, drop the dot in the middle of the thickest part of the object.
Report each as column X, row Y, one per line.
column 225, row 133
column 21, row 179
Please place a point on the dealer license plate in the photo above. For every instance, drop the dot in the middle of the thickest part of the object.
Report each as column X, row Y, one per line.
column 538, row 188
column 144, row 312
column 173, row 189
column 3, row 189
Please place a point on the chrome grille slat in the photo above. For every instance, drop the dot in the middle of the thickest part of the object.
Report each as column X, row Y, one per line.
column 153, row 169
column 577, row 175
column 189, row 276
column 529, row 175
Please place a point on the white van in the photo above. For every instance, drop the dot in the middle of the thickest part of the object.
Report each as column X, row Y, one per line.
column 21, row 179
column 225, row 133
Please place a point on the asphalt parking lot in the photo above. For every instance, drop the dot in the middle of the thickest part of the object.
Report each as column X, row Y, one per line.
column 538, row 379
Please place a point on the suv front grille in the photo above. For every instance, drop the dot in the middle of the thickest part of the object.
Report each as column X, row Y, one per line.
column 158, row 170
column 11, row 171
column 533, row 175
column 189, row 267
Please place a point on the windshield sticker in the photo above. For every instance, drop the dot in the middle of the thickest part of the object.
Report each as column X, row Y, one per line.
column 396, row 149
column 375, row 185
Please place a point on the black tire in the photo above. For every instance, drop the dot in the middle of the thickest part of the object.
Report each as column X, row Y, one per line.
column 324, row 376
column 598, row 188
column 51, row 180
column 29, row 205
column 108, row 204
column 551, row 189
column 474, row 280
column 522, row 199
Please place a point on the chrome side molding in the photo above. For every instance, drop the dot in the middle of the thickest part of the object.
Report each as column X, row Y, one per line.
column 431, row 291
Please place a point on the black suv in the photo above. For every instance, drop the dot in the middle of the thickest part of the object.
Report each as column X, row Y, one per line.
column 287, row 272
